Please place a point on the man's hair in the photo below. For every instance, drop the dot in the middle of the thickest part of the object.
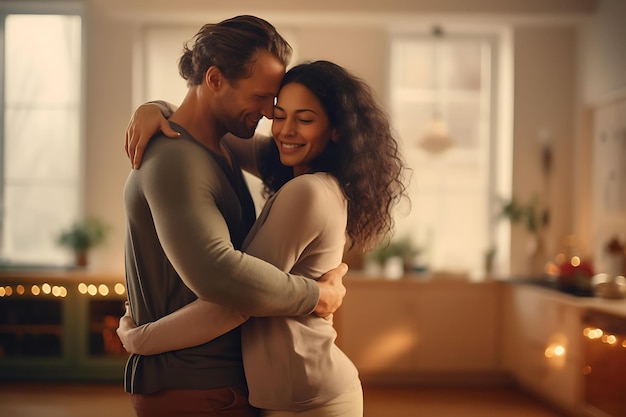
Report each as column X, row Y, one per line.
column 232, row 46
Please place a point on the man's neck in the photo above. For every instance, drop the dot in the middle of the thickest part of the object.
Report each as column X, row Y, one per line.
column 195, row 116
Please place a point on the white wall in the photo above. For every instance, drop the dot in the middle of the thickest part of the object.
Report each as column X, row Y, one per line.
column 544, row 34
column 602, row 78
column 603, row 52
column 545, row 90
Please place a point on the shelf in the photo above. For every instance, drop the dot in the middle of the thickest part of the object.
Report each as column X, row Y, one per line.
column 35, row 329
column 47, row 334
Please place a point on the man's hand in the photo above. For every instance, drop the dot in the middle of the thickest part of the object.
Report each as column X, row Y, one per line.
column 332, row 291
column 126, row 324
column 147, row 120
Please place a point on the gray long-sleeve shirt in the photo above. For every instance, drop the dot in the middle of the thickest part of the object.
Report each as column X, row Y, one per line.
column 188, row 213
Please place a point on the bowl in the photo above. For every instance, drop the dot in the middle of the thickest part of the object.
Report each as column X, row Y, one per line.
column 610, row 289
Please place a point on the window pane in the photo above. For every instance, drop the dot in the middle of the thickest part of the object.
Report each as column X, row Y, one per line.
column 411, row 120
column 42, row 70
column 461, row 65
column 407, row 53
column 36, row 213
column 47, row 150
column 41, row 142
column 464, row 123
column 449, row 216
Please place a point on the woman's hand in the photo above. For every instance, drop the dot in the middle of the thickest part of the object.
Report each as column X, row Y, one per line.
column 147, row 120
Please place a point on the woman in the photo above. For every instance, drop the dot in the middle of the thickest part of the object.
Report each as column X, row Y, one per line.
column 331, row 171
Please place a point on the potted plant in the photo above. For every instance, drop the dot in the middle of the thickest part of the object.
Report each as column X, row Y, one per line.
column 530, row 214
column 535, row 219
column 402, row 251
column 82, row 236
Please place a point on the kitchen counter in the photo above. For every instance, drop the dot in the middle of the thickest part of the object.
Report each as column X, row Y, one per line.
column 604, row 305
column 609, row 306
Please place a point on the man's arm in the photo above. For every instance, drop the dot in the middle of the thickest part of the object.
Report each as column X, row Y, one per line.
column 178, row 184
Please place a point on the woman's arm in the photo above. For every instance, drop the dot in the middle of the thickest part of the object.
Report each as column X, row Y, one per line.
column 247, row 151
column 151, row 117
column 196, row 323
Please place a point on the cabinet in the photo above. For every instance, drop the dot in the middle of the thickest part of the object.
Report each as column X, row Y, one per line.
column 542, row 343
column 410, row 328
column 60, row 326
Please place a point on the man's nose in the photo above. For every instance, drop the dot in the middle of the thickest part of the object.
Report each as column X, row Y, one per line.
column 267, row 110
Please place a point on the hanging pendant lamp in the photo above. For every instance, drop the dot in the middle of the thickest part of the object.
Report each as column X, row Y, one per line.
column 436, row 139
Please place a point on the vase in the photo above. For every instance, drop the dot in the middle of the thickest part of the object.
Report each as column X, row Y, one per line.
column 536, row 256
column 80, row 259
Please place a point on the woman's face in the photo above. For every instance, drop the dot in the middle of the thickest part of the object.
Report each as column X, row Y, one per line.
column 301, row 128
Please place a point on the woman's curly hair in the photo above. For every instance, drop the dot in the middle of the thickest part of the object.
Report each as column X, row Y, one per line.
column 365, row 158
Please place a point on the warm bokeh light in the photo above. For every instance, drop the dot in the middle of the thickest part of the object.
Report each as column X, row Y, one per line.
column 593, row 333
column 35, row 290
column 62, row 291
column 575, row 261
column 120, row 288
column 552, row 269
column 554, row 350
column 92, row 290
column 103, row 289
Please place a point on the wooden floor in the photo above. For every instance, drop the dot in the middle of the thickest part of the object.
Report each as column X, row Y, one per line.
column 106, row 400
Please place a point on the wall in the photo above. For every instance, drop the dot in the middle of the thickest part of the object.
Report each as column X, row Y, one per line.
column 603, row 52
column 602, row 66
column 544, row 107
column 109, row 98
column 355, row 37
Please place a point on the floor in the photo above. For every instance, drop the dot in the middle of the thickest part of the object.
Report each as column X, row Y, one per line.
column 105, row 400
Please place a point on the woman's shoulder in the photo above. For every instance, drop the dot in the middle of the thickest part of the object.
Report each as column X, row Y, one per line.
column 317, row 188
column 318, row 182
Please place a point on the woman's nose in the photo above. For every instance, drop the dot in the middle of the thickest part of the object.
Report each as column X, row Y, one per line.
column 288, row 127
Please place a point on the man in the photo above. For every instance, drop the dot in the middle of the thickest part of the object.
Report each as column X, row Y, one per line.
column 188, row 212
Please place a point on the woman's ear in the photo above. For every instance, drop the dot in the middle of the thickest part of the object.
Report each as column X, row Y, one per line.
column 334, row 136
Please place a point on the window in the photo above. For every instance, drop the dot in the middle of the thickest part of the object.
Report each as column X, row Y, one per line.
column 41, row 128
column 452, row 78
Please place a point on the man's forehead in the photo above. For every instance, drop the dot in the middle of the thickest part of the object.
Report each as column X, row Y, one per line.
column 269, row 70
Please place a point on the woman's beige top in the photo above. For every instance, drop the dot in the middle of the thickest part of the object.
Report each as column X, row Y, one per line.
column 292, row 363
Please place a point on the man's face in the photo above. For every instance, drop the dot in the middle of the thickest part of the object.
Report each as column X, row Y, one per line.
column 243, row 104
